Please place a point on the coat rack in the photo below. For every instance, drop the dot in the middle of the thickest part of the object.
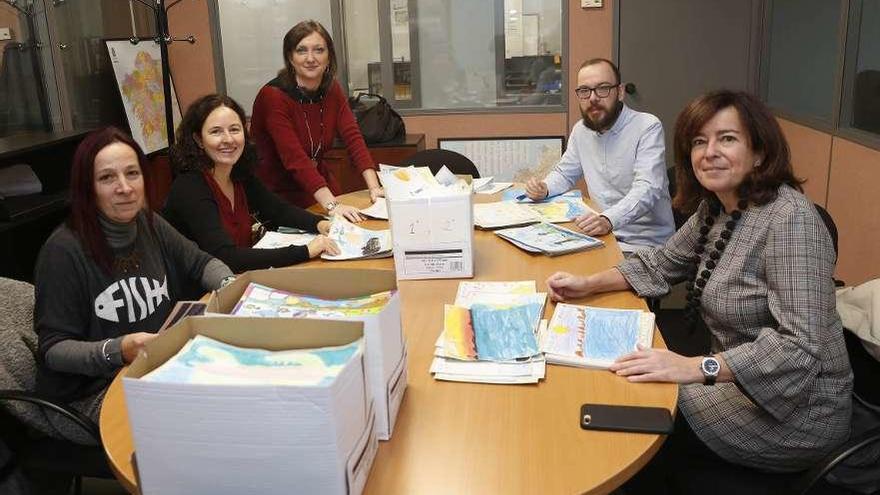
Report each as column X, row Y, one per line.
column 34, row 44
column 164, row 38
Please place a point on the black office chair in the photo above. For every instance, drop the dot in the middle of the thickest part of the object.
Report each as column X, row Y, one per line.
column 29, row 423
column 678, row 217
column 435, row 159
column 853, row 467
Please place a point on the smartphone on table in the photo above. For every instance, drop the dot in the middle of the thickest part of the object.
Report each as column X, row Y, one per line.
column 632, row 419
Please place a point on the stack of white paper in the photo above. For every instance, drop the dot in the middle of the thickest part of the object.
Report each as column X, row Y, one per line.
column 594, row 337
column 500, row 355
column 431, row 223
column 385, row 345
column 210, row 417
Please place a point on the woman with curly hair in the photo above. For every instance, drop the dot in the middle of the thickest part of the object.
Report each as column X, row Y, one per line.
column 215, row 198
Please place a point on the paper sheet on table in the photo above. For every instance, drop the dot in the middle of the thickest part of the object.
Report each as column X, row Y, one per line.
column 379, row 209
column 494, row 187
column 503, row 214
column 273, row 240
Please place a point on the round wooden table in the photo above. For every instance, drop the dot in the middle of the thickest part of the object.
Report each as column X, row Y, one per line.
column 480, row 438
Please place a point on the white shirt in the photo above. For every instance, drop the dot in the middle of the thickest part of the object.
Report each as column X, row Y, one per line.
column 625, row 171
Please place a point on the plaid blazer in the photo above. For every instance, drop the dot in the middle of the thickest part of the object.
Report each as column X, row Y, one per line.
column 770, row 307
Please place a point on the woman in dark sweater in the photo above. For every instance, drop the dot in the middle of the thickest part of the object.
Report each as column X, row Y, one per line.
column 107, row 278
column 215, row 198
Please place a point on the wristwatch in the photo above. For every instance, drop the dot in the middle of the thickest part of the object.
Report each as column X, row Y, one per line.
column 710, row 368
column 330, row 206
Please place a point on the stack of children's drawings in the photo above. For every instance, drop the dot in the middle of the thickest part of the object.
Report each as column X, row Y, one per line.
column 594, row 337
column 490, row 334
column 548, row 239
column 515, row 209
column 207, row 361
column 261, row 301
column 354, row 242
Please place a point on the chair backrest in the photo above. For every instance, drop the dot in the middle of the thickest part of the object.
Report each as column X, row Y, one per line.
column 18, row 347
column 866, row 370
column 678, row 217
column 435, row 159
column 829, row 224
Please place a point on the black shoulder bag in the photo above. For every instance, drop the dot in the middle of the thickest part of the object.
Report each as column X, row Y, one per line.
column 379, row 122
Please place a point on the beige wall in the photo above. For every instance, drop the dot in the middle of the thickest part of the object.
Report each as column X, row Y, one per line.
column 192, row 66
column 852, row 201
column 810, row 156
column 842, row 176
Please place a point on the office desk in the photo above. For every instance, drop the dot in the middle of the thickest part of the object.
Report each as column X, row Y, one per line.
column 480, row 438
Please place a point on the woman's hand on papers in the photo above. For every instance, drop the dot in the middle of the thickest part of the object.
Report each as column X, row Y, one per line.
column 133, row 343
column 348, row 212
column 536, row 189
column 658, row 365
column 324, row 227
column 376, row 193
column 564, row 286
column 593, row 224
column 322, row 244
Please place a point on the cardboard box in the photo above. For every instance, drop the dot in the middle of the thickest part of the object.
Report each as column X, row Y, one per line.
column 251, row 439
column 385, row 347
column 433, row 237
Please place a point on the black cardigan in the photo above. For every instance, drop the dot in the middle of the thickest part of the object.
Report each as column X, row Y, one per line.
column 192, row 209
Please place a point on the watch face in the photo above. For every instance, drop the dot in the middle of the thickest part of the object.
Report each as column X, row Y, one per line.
column 711, row 366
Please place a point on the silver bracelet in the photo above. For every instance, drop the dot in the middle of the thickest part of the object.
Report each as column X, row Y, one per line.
column 104, row 350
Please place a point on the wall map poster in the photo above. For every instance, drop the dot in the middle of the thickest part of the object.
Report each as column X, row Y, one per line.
column 138, row 71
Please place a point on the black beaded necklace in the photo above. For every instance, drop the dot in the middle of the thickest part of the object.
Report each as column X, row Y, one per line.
column 698, row 283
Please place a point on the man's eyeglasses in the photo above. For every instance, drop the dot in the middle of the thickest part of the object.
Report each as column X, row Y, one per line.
column 602, row 91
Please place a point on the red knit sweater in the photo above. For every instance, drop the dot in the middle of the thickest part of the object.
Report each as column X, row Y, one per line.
column 279, row 129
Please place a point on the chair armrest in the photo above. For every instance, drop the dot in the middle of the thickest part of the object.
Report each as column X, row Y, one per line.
column 805, row 483
column 71, row 414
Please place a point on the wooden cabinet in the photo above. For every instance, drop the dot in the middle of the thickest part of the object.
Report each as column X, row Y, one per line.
column 389, row 153
column 27, row 221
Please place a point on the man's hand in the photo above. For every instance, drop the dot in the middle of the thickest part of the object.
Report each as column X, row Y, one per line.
column 536, row 189
column 133, row 343
column 593, row 224
column 376, row 193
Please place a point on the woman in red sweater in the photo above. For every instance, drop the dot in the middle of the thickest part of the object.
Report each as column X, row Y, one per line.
column 295, row 118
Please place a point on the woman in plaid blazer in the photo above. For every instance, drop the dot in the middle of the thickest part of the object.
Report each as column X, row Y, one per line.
column 775, row 392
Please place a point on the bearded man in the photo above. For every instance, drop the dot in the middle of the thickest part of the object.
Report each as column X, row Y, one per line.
column 620, row 153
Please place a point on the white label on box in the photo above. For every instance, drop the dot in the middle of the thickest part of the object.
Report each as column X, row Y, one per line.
column 431, row 262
